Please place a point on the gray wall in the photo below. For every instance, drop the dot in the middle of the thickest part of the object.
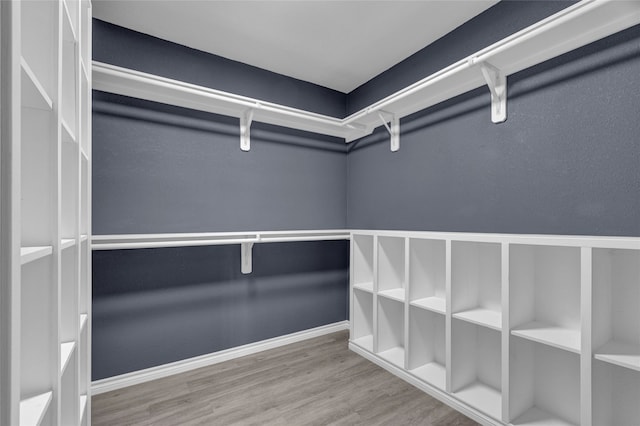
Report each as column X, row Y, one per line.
column 566, row 161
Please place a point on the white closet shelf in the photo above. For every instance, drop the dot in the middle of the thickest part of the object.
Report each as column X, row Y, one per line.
column 66, row 350
column 569, row 29
column 33, row 94
column 483, row 397
column 83, row 237
column 67, row 134
column 71, row 35
column 481, row 316
column 433, row 304
column 559, row 337
column 394, row 355
column 83, row 321
column 29, row 254
column 365, row 342
column 136, row 241
column 82, row 407
column 397, row 294
column 67, row 242
column 368, row 286
column 85, row 157
column 620, row 353
column 33, row 410
column 432, row 373
column 538, row 417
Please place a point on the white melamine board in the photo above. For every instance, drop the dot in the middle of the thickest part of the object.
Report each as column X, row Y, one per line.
column 621, row 354
column 391, row 330
column 29, row 254
column 71, row 14
column 481, row 316
column 365, row 342
column 83, row 407
column 38, row 344
column 616, row 395
column 395, row 294
column 558, row 337
column 544, row 384
column 545, row 291
column 69, row 295
column 66, row 351
column 33, row 94
column 426, row 345
column 362, row 259
column 38, row 154
column 368, row 286
column 362, row 315
column 475, row 276
column 476, row 366
column 69, row 103
column 38, row 39
column 391, row 265
column 434, row 304
column 85, row 277
column 426, row 269
column 69, row 394
column 34, row 409
column 70, row 189
column 83, row 321
column 66, row 243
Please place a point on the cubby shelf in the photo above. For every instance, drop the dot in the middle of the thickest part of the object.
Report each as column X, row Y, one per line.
column 395, row 294
column 33, row 94
column 67, row 242
column 83, row 321
column 483, row 397
column 82, row 406
column 619, row 353
column 66, row 350
column 368, row 286
column 480, row 316
column 557, row 337
column 432, row 373
column 29, row 254
column 538, row 417
column 67, row 134
column 394, row 356
column 433, row 304
column 33, row 410
column 427, row 359
column 365, row 342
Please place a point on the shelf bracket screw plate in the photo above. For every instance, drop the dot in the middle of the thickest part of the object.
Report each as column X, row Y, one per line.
column 245, row 130
column 497, row 82
column 394, row 130
column 246, row 252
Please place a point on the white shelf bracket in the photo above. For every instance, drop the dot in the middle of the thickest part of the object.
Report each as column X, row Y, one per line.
column 394, row 130
column 245, row 130
column 246, row 251
column 497, row 82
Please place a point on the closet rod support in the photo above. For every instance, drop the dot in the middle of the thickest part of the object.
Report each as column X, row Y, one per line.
column 246, row 258
column 245, row 130
column 394, row 130
column 497, row 83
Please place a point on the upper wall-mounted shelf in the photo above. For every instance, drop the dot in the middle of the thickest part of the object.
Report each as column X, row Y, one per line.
column 569, row 29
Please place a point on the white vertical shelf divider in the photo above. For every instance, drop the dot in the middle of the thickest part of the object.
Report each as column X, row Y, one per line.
column 515, row 373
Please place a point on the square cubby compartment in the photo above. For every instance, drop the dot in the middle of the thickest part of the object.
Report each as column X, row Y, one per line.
column 362, row 246
column 476, row 367
column 616, row 307
column 69, row 313
column 476, row 283
column 545, row 294
column 544, row 385
column 426, row 345
column 427, row 274
column 362, row 318
column 391, row 274
column 616, row 395
column 391, row 331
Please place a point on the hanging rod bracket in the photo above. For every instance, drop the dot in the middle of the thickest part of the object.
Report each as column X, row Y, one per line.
column 246, row 257
column 497, row 82
column 245, row 130
column 394, row 129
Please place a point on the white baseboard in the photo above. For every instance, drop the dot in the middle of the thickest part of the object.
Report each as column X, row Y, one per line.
column 153, row 373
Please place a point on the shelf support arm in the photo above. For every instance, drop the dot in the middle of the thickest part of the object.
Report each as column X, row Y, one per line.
column 497, row 82
column 245, row 130
column 246, row 252
column 394, row 130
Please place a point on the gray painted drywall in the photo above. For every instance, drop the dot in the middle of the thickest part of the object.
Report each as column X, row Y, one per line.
column 158, row 168
column 155, row 306
column 566, row 161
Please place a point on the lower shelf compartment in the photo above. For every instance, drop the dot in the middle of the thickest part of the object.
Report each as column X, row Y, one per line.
column 432, row 373
column 538, row 417
column 483, row 398
column 33, row 410
column 365, row 342
column 621, row 354
column 83, row 406
column 394, row 355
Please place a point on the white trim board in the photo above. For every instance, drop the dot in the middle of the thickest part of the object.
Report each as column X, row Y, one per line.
column 141, row 376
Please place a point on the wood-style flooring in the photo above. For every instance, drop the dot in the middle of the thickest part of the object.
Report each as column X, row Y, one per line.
column 314, row 382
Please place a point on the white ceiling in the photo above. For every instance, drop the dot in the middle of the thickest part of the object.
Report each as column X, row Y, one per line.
column 336, row 44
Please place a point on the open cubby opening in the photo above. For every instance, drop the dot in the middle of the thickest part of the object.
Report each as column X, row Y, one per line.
column 476, row 368
column 38, row 183
column 85, row 33
column 616, row 306
column 38, row 41
column 84, row 197
column 73, row 10
column 363, row 319
column 69, row 392
column 37, row 321
column 545, row 294
column 544, row 384
column 616, row 392
column 391, row 331
column 427, row 350
column 391, row 276
column 84, row 277
column 363, row 262
column 69, row 189
column 69, row 89
column 69, row 295
column 427, row 274
column 476, row 283
column 85, row 111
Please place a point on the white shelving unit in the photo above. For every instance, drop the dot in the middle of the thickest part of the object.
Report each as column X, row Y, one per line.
column 535, row 330
column 46, row 114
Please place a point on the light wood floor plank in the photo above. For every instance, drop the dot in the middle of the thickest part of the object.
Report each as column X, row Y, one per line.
column 315, row 382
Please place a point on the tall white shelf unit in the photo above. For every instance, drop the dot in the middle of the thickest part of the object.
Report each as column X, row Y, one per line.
column 46, row 212
column 509, row 329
